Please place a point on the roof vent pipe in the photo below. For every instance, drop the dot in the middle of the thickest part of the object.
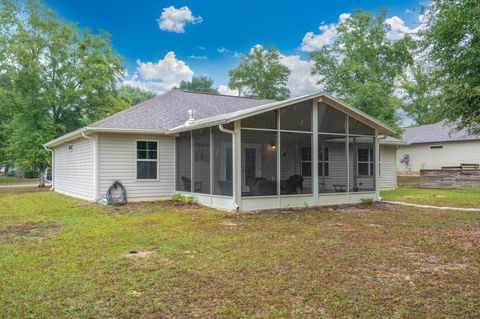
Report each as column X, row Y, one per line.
column 191, row 119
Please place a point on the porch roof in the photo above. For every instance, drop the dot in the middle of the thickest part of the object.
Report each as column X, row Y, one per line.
column 322, row 97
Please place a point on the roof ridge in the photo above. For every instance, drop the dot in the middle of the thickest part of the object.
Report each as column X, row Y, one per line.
column 226, row 95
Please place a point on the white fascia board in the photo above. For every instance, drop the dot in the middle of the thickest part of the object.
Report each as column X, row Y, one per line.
column 86, row 130
column 238, row 115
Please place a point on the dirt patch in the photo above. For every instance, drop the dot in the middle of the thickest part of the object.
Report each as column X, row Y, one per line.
column 30, row 230
column 139, row 254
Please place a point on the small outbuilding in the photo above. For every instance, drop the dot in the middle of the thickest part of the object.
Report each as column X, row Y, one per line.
column 230, row 152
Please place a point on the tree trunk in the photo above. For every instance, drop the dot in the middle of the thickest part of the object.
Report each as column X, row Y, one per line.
column 42, row 178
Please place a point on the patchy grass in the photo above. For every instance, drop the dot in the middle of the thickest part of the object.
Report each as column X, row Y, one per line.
column 435, row 197
column 156, row 260
column 5, row 180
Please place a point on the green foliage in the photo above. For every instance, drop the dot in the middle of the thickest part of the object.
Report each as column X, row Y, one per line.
column 421, row 100
column 54, row 79
column 367, row 201
column 199, row 84
column 134, row 95
column 261, row 75
column 183, row 199
column 452, row 38
column 362, row 65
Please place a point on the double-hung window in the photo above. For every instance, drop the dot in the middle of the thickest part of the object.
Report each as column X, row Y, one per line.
column 307, row 161
column 147, row 159
column 365, row 162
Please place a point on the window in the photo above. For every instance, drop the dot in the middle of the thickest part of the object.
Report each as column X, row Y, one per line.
column 365, row 162
column 307, row 161
column 147, row 159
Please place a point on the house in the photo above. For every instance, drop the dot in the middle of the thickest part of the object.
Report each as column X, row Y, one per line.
column 230, row 152
column 434, row 146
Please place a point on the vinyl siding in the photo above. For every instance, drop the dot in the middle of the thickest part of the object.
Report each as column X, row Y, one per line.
column 452, row 154
column 388, row 172
column 117, row 161
column 74, row 169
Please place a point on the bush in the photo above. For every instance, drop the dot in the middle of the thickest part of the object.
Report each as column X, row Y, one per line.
column 179, row 198
column 31, row 174
column 367, row 201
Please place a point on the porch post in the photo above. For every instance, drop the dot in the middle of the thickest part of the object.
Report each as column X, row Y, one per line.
column 314, row 152
column 347, row 154
column 377, row 166
column 237, row 165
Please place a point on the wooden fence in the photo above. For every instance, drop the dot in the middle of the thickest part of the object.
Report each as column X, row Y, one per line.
column 450, row 178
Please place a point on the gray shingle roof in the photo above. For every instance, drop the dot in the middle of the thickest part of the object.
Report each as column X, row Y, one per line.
column 438, row 132
column 170, row 110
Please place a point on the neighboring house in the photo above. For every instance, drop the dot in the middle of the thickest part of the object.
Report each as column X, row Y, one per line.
column 230, row 152
column 435, row 146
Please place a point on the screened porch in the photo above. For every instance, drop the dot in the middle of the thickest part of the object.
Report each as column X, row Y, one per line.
column 308, row 153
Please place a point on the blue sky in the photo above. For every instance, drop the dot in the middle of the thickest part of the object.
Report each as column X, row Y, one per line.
column 158, row 58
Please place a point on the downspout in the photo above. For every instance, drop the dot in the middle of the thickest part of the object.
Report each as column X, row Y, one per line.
column 53, row 167
column 234, row 182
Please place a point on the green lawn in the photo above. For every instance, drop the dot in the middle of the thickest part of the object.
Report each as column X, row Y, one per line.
column 65, row 258
column 436, row 197
column 16, row 180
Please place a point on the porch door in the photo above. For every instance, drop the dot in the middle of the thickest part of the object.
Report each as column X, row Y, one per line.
column 251, row 163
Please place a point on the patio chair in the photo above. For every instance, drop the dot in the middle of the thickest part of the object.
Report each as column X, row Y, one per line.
column 264, row 187
column 187, row 185
column 292, row 184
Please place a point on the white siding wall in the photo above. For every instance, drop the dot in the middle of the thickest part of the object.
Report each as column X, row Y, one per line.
column 117, row 161
column 452, row 154
column 74, row 171
column 388, row 171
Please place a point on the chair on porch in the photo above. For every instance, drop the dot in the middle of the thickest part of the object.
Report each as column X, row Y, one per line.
column 187, row 184
column 292, row 185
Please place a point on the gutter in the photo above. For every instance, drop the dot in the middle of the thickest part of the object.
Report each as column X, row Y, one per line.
column 234, row 182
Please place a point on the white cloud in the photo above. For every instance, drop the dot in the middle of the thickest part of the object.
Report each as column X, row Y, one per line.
column 223, row 89
column 198, row 57
column 223, row 50
column 398, row 28
column 174, row 20
column 301, row 81
column 161, row 76
column 327, row 35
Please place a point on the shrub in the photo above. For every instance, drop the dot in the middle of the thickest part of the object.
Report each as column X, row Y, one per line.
column 367, row 201
column 183, row 199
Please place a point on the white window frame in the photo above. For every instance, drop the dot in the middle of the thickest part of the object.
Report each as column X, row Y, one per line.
column 146, row 160
column 369, row 162
column 323, row 161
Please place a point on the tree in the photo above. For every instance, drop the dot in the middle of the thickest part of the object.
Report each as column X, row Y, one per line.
column 261, row 75
column 421, row 102
column 199, row 84
column 57, row 78
column 134, row 95
column 363, row 65
column 452, row 38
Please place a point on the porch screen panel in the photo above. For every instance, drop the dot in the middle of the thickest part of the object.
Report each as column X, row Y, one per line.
column 297, row 117
column 295, row 163
column 362, row 163
column 183, row 162
column 358, row 128
column 331, row 120
column 201, row 161
column 332, row 164
column 267, row 120
column 259, row 163
column 222, row 163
